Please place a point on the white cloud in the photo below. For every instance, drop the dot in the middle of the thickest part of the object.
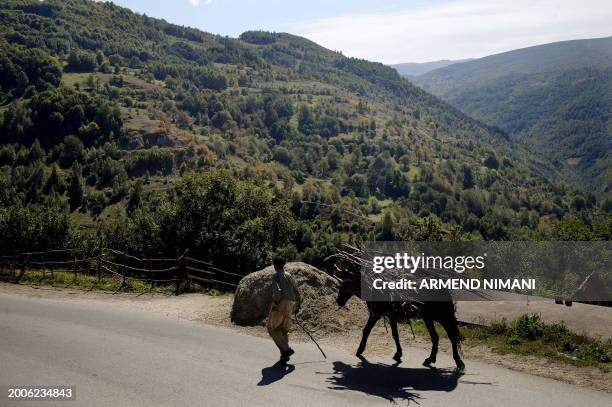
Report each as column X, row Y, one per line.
column 196, row 3
column 459, row 29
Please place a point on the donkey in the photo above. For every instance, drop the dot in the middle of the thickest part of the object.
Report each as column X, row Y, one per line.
column 441, row 311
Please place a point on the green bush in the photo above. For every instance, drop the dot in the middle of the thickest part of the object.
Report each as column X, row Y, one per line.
column 529, row 327
column 594, row 352
column 555, row 332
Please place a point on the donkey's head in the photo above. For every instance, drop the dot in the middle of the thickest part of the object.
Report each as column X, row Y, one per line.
column 347, row 268
column 346, row 290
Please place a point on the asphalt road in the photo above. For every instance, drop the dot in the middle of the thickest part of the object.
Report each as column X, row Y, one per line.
column 118, row 357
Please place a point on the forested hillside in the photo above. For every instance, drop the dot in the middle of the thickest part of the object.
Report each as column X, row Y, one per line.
column 128, row 131
column 556, row 99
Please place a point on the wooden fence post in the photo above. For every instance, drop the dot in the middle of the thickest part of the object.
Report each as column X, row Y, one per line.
column 99, row 265
column 24, row 267
column 181, row 271
column 74, row 264
column 42, row 262
column 13, row 272
column 149, row 265
column 123, row 270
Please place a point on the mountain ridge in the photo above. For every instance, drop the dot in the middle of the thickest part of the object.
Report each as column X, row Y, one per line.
column 528, row 60
column 553, row 98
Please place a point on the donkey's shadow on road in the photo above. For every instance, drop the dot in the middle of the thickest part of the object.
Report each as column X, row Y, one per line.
column 391, row 382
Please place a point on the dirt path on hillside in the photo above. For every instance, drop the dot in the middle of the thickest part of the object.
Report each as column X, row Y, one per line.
column 215, row 310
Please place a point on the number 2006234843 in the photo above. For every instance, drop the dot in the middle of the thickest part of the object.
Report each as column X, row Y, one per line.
column 39, row 393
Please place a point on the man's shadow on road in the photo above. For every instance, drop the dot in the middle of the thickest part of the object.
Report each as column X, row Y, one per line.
column 391, row 382
column 275, row 373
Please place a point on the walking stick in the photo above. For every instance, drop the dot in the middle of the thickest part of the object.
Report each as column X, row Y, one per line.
column 309, row 335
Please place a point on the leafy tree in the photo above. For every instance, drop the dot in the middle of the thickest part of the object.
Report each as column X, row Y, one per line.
column 90, row 132
column 491, row 161
column 54, row 182
column 282, row 155
column 151, row 161
column 468, row 178
column 579, row 202
column 34, row 227
column 16, row 123
column 51, row 115
column 135, row 197
column 36, row 152
column 306, row 120
column 35, row 182
column 95, row 202
column 71, row 150
column 75, row 187
column 606, row 204
column 358, row 185
column 233, row 223
column 386, row 228
column 22, row 68
column 7, row 155
column 258, row 37
column 82, row 61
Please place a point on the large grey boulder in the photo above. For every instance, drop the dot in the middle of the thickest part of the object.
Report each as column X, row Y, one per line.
column 253, row 299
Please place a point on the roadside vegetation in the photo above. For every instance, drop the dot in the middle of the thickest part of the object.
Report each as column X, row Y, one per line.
column 529, row 335
column 66, row 279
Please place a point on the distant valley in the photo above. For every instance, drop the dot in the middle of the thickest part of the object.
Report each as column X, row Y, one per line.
column 556, row 99
column 411, row 69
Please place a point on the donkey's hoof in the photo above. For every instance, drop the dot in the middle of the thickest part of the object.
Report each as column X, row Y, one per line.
column 428, row 362
column 460, row 367
column 397, row 357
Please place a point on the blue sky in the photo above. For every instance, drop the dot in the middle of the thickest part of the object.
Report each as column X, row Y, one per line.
column 393, row 31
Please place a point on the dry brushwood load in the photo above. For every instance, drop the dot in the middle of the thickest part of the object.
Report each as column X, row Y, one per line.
column 318, row 290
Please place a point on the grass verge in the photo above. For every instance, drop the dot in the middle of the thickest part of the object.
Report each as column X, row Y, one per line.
column 86, row 282
column 106, row 283
column 529, row 335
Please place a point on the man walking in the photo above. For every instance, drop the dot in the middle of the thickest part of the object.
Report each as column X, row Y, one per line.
column 286, row 302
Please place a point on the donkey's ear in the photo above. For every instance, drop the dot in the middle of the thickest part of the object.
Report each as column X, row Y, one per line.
column 334, row 275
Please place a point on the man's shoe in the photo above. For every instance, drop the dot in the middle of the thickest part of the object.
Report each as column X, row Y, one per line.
column 286, row 355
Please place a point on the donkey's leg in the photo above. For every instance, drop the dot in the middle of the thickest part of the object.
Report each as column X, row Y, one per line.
column 366, row 332
column 398, row 352
column 433, row 334
column 452, row 329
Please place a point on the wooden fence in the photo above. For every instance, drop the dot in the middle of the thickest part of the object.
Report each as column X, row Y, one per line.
column 110, row 262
